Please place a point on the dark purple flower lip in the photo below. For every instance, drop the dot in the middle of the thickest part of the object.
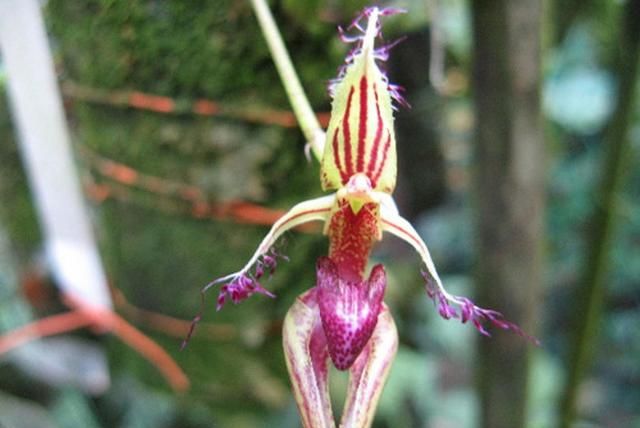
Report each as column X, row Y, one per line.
column 348, row 310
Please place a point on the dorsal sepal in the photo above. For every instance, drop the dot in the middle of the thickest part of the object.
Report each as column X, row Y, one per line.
column 360, row 137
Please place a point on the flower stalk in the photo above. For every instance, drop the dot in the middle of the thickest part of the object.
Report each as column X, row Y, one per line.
column 299, row 102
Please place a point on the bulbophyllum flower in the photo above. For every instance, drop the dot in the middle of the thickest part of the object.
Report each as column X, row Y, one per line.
column 343, row 318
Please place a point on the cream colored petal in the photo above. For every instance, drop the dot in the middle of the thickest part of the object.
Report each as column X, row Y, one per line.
column 306, row 355
column 312, row 210
column 393, row 223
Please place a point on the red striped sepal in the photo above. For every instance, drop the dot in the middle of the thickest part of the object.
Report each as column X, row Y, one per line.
column 360, row 137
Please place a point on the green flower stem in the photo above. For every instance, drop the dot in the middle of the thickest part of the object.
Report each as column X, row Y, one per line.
column 301, row 107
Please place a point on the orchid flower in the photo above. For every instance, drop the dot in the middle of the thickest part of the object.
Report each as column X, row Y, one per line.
column 343, row 318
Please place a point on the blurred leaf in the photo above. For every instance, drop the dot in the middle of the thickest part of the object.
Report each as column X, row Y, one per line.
column 139, row 407
column 412, row 382
column 546, row 381
column 19, row 413
column 578, row 92
column 71, row 409
column 66, row 361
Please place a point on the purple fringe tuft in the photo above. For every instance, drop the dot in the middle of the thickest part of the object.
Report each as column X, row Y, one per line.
column 469, row 311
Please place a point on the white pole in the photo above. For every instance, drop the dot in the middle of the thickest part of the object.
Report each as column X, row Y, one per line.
column 46, row 152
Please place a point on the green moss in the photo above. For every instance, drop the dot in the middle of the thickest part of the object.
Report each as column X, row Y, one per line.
column 17, row 213
column 193, row 48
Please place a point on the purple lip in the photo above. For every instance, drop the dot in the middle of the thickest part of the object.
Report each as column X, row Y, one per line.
column 349, row 310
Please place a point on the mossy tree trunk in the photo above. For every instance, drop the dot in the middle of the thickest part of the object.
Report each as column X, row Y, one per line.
column 509, row 152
